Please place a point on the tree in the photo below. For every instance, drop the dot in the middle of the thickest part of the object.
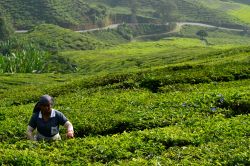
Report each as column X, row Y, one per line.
column 202, row 34
column 6, row 28
column 167, row 11
column 98, row 15
column 133, row 8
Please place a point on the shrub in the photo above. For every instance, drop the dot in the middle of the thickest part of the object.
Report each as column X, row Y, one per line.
column 21, row 58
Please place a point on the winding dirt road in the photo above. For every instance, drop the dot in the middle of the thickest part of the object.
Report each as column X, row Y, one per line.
column 179, row 25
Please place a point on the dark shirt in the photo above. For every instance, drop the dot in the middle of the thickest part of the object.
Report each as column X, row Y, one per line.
column 48, row 128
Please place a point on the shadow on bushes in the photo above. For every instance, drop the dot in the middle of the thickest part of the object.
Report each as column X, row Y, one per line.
column 239, row 107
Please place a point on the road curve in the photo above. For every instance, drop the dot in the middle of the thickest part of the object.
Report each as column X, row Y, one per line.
column 206, row 25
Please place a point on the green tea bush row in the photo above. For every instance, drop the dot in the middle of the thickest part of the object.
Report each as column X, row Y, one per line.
column 189, row 74
column 105, row 112
column 154, row 80
column 195, row 126
column 230, row 152
column 130, row 113
column 102, row 149
column 208, row 141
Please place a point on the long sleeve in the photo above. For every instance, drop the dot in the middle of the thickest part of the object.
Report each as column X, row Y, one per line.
column 69, row 126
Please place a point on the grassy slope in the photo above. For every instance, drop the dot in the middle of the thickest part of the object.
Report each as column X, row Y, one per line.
column 132, row 55
column 213, row 11
column 218, row 37
column 194, row 11
column 51, row 36
column 140, row 55
column 239, row 12
column 193, row 117
column 241, row 1
column 243, row 13
column 27, row 13
column 78, row 14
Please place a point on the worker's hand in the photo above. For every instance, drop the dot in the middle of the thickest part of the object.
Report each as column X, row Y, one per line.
column 70, row 134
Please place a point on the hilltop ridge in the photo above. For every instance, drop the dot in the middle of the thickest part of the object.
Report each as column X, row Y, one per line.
column 85, row 14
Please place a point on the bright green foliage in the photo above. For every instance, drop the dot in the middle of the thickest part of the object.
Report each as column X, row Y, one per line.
column 238, row 12
column 141, row 55
column 180, row 127
column 26, row 61
column 168, row 102
column 110, row 37
column 53, row 38
column 242, row 1
column 242, row 13
column 228, row 12
column 18, row 56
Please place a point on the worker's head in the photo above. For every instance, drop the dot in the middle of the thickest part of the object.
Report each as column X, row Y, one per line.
column 44, row 104
column 45, row 99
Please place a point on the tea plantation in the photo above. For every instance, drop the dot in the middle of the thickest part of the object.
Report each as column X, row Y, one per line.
column 176, row 101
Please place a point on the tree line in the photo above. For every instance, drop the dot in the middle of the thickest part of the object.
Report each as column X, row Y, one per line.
column 6, row 28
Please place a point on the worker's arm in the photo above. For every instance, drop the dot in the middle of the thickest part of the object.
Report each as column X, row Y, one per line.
column 70, row 130
column 29, row 133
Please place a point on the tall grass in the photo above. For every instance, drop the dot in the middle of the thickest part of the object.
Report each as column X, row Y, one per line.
column 16, row 58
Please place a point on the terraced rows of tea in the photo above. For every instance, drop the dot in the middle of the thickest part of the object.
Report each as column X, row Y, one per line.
column 28, row 13
column 169, row 102
column 196, row 11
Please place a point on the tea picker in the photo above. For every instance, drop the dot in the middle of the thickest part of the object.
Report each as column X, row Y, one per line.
column 46, row 121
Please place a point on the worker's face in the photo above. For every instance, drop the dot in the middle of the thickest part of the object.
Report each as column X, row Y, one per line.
column 46, row 108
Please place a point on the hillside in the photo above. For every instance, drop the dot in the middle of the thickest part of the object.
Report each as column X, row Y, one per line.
column 215, row 12
column 241, row 1
column 81, row 14
column 50, row 36
column 70, row 14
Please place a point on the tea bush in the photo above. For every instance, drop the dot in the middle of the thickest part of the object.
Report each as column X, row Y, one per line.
column 189, row 111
